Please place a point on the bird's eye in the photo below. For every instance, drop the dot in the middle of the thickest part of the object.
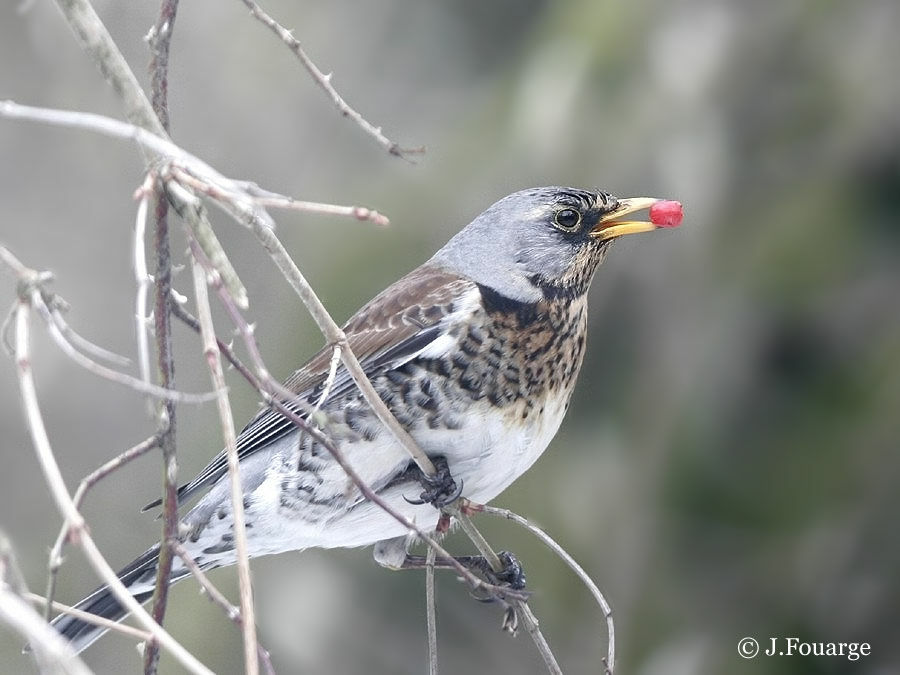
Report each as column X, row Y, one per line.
column 567, row 219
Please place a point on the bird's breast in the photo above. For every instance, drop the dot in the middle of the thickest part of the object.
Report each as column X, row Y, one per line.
column 497, row 396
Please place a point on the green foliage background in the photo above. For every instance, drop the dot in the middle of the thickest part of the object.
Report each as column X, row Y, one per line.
column 729, row 466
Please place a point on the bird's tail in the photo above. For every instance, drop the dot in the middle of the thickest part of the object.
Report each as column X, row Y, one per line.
column 139, row 578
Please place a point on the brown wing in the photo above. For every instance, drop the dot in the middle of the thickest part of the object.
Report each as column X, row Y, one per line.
column 400, row 312
column 394, row 326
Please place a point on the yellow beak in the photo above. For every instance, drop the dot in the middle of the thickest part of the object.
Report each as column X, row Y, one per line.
column 609, row 227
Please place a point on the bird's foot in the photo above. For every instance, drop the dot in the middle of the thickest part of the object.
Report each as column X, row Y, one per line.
column 440, row 489
column 512, row 574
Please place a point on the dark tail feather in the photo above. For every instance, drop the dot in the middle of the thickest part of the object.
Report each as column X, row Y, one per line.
column 139, row 578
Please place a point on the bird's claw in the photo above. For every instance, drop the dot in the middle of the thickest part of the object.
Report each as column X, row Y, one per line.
column 512, row 575
column 440, row 489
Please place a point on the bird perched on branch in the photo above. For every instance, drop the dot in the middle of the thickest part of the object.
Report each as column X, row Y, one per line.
column 475, row 353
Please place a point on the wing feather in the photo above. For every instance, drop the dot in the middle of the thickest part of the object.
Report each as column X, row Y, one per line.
column 395, row 326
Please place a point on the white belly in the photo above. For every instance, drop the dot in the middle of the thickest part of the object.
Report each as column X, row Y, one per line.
column 491, row 450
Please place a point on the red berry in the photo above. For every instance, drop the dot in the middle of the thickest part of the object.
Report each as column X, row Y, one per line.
column 666, row 214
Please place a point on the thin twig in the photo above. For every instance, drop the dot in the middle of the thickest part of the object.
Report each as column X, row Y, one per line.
column 41, row 307
column 210, row 349
column 142, row 278
column 329, row 381
column 52, row 474
column 64, row 502
column 336, row 336
column 53, row 653
column 98, row 43
column 191, row 321
column 522, row 609
column 548, row 541
column 264, row 198
column 430, row 613
column 88, row 617
column 324, row 81
column 56, row 557
column 45, row 303
column 358, row 212
column 477, row 538
column 159, row 41
column 80, row 342
column 10, row 572
column 218, row 598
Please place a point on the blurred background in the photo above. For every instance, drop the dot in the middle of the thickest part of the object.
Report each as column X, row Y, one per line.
column 729, row 465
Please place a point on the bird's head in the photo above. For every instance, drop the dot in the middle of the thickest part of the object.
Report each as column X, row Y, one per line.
column 548, row 241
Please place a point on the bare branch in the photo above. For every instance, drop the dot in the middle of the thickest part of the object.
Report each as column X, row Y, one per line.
column 191, row 321
column 335, row 336
column 358, row 212
column 142, row 278
column 324, row 81
column 56, row 557
column 64, row 503
column 548, row 541
column 159, row 41
column 80, row 342
column 210, row 349
column 522, row 609
column 332, row 374
column 46, row 304
column 102, row 371
column 41, row 306
column 53, row 653
column 96, row 41
column 39, row 438
column 216, row 597
column 115, row 626
column 430, row 614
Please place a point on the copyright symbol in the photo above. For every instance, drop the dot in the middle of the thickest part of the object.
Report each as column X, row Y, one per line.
column 748, row 647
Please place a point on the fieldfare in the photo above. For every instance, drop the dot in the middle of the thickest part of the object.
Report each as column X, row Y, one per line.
column 476, row 353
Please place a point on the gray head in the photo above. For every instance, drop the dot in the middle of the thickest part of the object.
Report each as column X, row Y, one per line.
column 541, row 242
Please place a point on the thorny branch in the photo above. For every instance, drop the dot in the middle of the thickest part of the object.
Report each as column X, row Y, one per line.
column 159, row 41
column 324, row 81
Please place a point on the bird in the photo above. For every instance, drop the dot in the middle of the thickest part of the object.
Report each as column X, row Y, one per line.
column 476, row 353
